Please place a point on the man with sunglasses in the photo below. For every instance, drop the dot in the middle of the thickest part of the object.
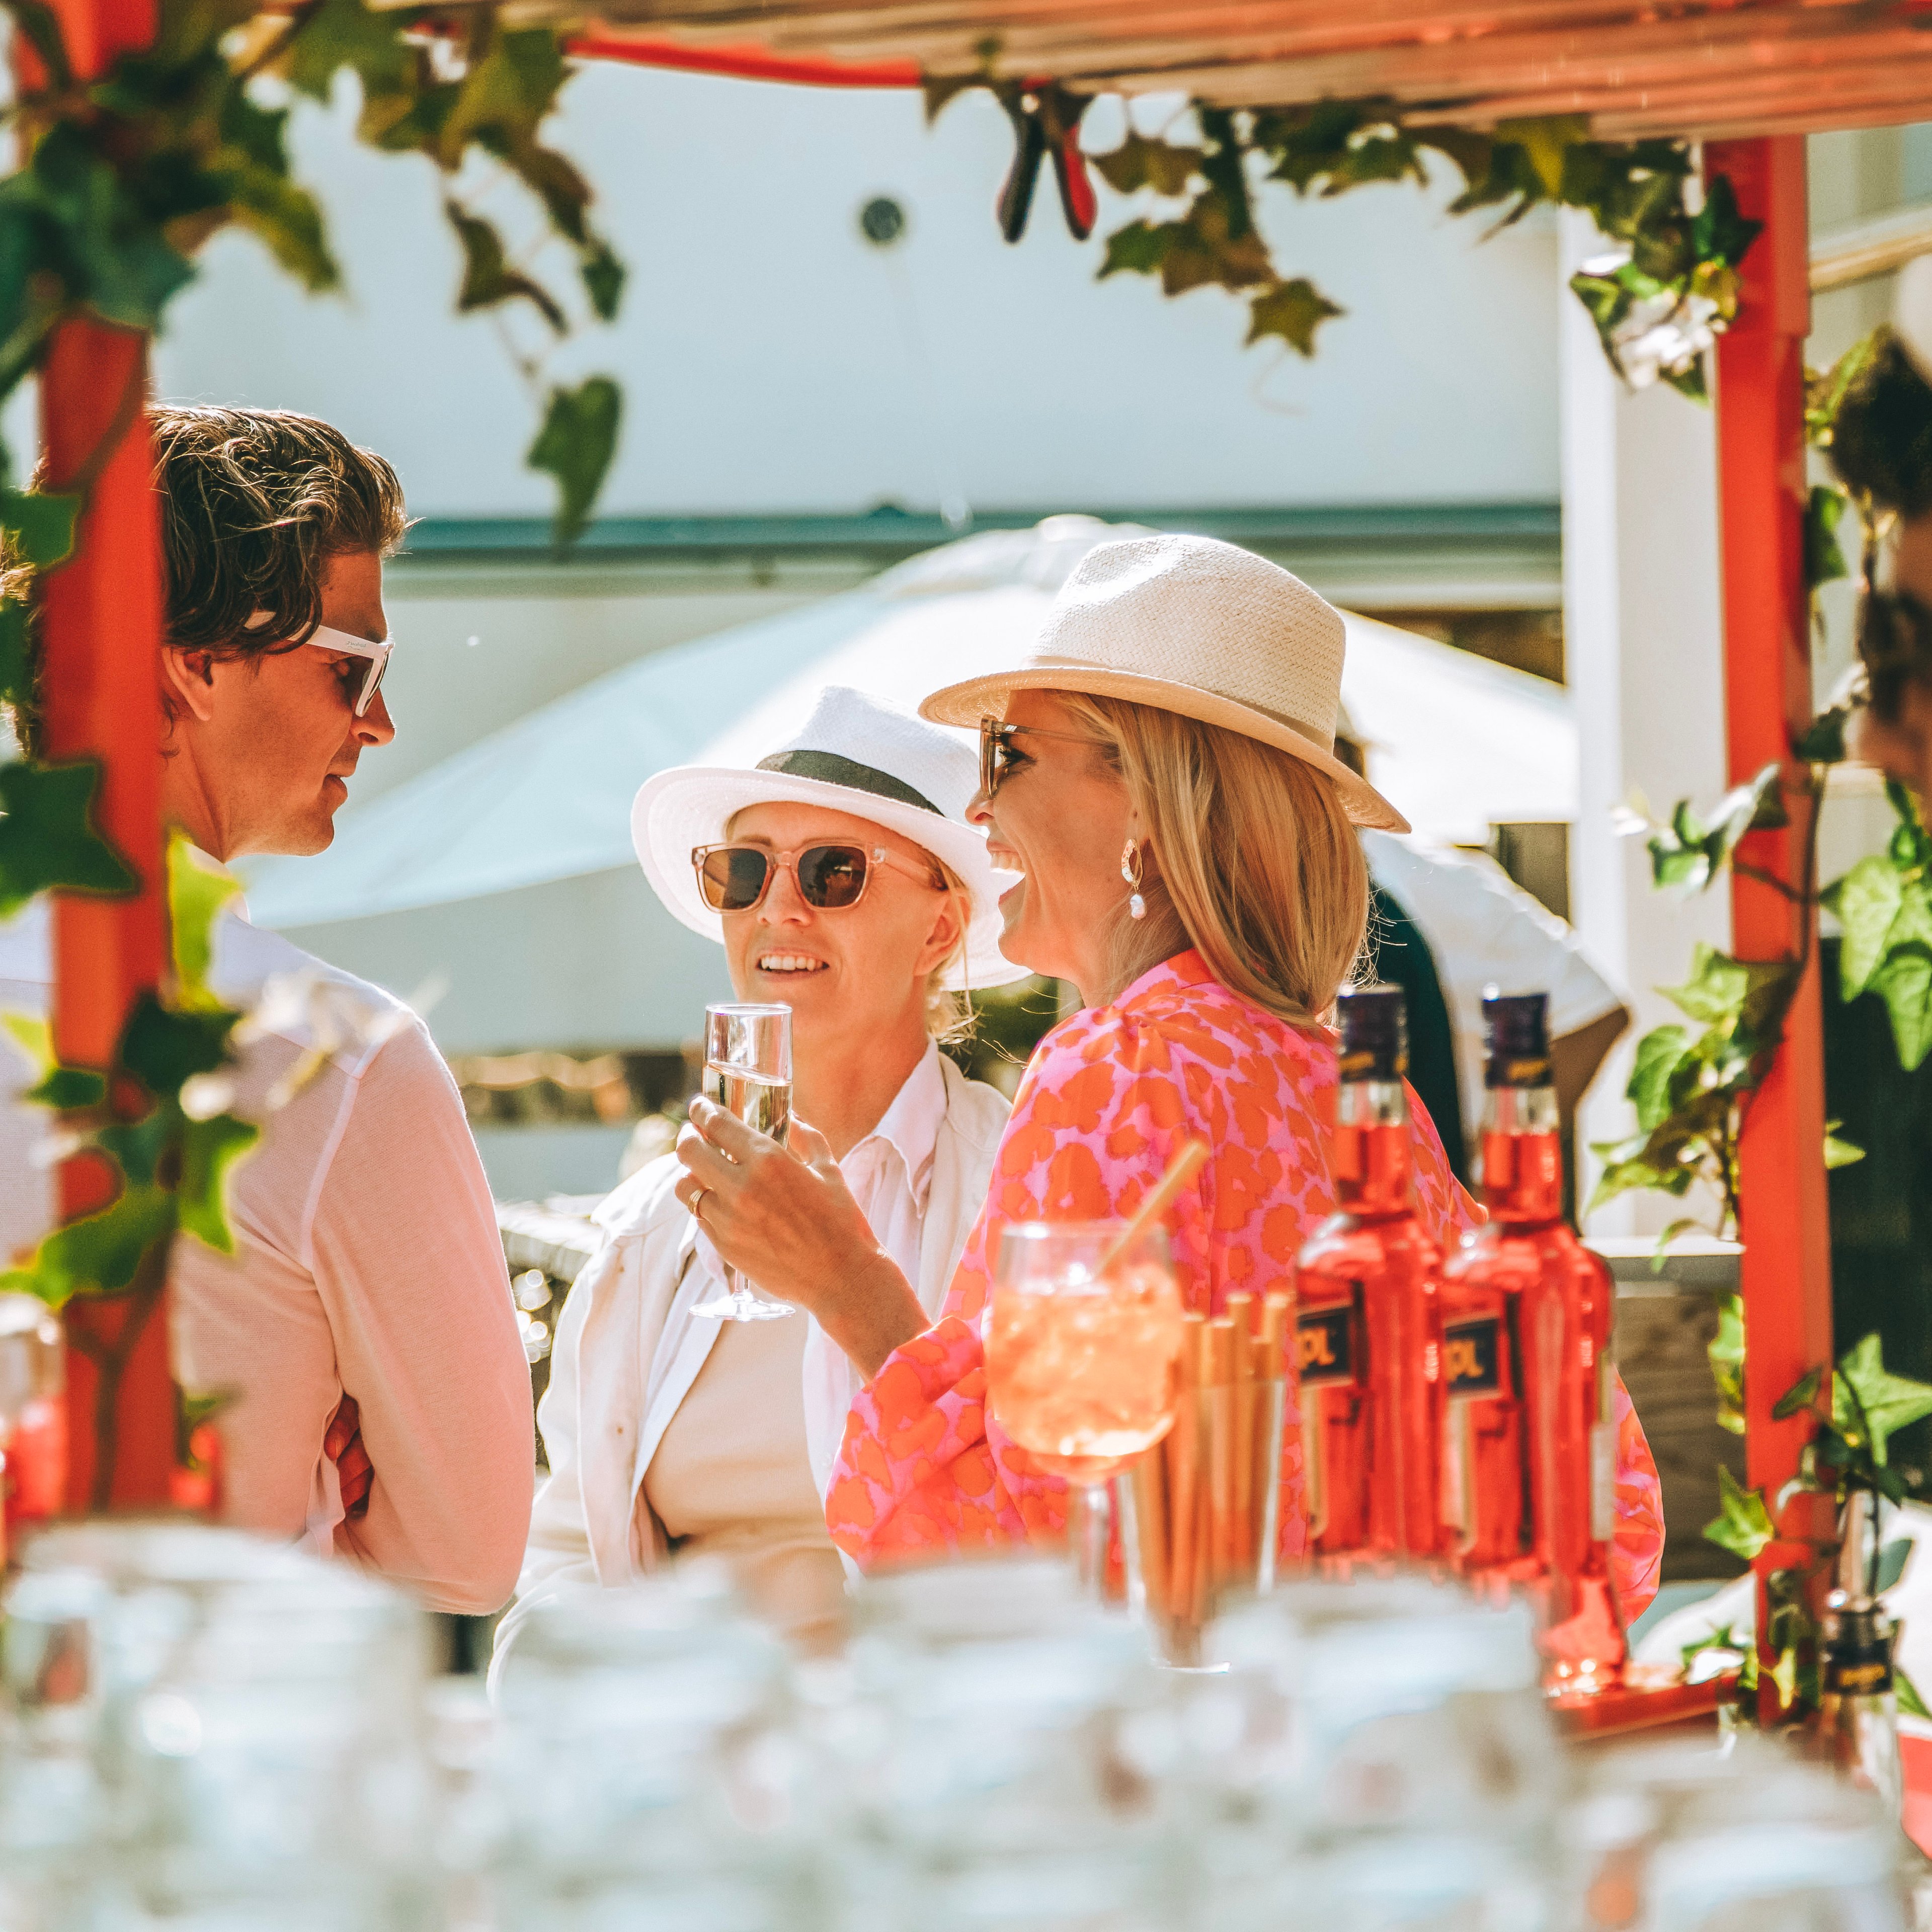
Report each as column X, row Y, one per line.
column 367, row 1269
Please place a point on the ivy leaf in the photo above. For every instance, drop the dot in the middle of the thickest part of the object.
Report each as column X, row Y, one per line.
column 1838, row 1151
column 1138, row 163
column 1824, row 561
column 508, row 92
column 163, row 1049
column 577, row 440
column 1659, row 1055
column 208, row 1149
column 1546, row 141
column 198, row 888
column 1745, row 1526
column 1800, row 1396
column 1716, row 990
column 603, row 279
column 16, row 657
column 1904, row 983
column 940, row 91
column 345, row 33
column 1725, row 1351
column 1822, row 741
column 1887, row 1403
column 1718, row 232
column 69, row 1089
column 47, row 838
column 1135, row 250
column 1292, row 310
column 98, row 1255
column 1865, row 902
column 39, row 525
column 487, row 278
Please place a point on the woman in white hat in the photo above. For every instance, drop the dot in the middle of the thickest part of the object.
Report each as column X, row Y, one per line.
column 844, row 881
column 1161, row 772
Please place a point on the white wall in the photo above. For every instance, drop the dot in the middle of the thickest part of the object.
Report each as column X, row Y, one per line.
column 762, row 346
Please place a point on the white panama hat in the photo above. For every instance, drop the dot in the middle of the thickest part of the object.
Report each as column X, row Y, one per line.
column 855, row 754
column 1193, row 626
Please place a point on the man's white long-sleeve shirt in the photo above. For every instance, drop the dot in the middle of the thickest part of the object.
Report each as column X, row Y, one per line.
column 366, row 1260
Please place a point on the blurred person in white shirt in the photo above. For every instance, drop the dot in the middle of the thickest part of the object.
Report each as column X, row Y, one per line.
column 363, row 1330
column 844, row 882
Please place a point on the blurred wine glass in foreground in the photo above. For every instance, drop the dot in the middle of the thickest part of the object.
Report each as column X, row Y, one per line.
column 1083, row 1358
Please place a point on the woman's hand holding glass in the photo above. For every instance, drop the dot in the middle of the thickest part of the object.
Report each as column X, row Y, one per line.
column 785, row 1217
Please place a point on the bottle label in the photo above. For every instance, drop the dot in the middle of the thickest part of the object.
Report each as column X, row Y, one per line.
column 1472, row 1357
column 1323, row 1349
column 1858, row 1669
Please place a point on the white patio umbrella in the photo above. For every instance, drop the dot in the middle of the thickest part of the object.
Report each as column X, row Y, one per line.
column 1455, row 741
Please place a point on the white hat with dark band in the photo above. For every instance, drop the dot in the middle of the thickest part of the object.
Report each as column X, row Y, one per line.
column 856, row 754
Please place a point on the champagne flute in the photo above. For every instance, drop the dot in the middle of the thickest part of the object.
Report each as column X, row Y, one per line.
column 1083, row 1358
column 748, row 1073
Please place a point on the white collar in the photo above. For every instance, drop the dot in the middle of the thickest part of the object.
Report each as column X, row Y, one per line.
column 909, row 1126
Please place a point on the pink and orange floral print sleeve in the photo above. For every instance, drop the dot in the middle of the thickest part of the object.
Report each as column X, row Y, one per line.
column 1107, row 1098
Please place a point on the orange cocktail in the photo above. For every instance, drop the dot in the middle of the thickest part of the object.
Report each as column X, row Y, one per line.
column 1083, row 1357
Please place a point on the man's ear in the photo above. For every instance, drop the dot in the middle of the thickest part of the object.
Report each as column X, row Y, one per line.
column 187, row 677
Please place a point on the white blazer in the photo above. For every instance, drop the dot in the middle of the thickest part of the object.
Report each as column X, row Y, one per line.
column 625, row 1356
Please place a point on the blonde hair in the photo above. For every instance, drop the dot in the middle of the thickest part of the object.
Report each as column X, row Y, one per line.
column 1250, row 859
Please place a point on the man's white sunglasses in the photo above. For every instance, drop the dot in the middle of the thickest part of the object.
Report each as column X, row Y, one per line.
column 323, row 638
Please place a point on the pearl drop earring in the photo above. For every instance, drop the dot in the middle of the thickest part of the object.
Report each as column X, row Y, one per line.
column 1130, row 870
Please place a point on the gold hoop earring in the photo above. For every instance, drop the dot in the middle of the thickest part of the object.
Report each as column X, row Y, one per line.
column 1130, row 870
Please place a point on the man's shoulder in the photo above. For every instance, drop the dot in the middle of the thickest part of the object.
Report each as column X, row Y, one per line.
column 294, row 996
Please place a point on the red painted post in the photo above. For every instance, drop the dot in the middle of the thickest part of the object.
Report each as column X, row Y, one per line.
column 1783, row 1220
column 100, row 628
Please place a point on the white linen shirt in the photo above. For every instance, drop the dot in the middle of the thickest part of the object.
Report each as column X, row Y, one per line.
column 628, row 1349
column 366, row 1260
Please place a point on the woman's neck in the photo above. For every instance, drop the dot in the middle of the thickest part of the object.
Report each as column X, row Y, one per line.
column 845, row 1090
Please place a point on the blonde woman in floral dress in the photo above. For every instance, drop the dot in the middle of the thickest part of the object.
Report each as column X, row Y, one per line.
column 1160, row 772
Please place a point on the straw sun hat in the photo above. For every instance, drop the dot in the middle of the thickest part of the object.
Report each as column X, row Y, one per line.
column 1190, row 624
column 855, row 754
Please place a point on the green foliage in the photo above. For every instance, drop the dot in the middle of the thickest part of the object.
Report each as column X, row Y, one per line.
column 122, row 180
column 47, row 837
column 1726, row 1351
column 577, row 440
column 1824, row 560
column 1883, row 906
column 1743, row 1525
column 1680, row 263
column 172, row 1160
column 1687, row 853
column 1689, row 1089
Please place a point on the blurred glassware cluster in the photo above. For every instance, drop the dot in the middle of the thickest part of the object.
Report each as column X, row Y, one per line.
column 207, row 1732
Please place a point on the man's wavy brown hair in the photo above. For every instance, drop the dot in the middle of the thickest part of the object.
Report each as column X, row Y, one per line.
column 254, row 504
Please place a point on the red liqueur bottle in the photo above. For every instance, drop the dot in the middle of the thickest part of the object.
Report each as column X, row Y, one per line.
column 1529, row 1447
column 1368, row 1341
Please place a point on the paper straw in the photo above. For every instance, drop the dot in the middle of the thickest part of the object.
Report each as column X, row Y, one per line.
column 1182, row 1448
column 1179, row 1172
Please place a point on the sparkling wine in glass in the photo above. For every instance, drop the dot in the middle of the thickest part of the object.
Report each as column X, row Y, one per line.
column 1083, row 1357
column 748, row 1073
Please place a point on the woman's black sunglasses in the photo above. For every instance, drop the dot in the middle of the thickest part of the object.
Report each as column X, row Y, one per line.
column 736, row 878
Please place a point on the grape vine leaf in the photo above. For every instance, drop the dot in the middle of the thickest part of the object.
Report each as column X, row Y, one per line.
column 41, row 524
column 197, row 890
column 487, row 278
column 100, row 1254
column 1138, row 163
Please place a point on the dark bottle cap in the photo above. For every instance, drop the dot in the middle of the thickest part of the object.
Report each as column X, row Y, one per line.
column 1375, row 1034
column 1518, row 1026
column 1855, row 1654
